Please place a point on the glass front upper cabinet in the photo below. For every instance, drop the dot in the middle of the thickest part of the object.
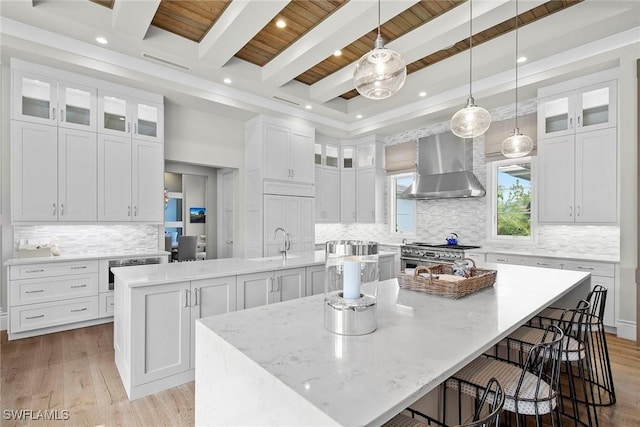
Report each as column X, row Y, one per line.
column 331, row 156
column 77, row 106
column 113, row 114
column 146, row 120
column 35, row 98
column 366, row 155
column 348, row 155
column 556, row 115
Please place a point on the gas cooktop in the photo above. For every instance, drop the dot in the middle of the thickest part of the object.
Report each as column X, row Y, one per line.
column 442, row 246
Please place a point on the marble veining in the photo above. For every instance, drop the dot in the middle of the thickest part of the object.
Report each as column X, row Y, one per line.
column 358, row 380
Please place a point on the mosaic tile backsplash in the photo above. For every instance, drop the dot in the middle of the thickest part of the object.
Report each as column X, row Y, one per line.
column 436, row 219
column 92, row 239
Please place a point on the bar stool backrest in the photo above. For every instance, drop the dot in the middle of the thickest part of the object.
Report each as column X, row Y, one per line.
column 597, row 298
column 492, row 400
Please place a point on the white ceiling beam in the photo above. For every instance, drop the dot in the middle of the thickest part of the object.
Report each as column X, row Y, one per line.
column 133, row 18
column 431, row 37
column 239, row 23
column 350, row 22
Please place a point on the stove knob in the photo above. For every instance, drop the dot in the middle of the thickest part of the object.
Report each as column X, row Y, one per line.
column 458, row 255
column 436, row 255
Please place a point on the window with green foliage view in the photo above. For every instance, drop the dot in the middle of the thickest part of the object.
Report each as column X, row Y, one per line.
column 513, row 199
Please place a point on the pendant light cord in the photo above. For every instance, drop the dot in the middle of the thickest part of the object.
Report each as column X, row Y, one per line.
column 516, row 64
column 378, row 18
column 470, row 47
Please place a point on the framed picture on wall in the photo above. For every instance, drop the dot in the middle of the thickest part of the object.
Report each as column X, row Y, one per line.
column 197, row 215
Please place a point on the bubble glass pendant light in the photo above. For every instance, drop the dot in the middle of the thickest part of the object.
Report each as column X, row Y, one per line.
column 518, row 144
column 381, row 72
column 471, row 121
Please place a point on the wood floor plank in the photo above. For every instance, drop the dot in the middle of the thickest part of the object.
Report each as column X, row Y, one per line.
column 51, row 350
column 79, row 394
column 106, row 380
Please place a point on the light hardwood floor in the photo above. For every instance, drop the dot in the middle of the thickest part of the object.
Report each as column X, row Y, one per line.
column 75, row 371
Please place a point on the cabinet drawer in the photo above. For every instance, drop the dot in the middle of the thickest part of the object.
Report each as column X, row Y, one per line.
column 595, row 268
column 44, row 315
column 29, row 271
column 545, row 262
column 105, row 301
column 507, row 259
column 54, row 288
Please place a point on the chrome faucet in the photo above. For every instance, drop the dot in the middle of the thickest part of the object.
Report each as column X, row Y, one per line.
column 286, row 244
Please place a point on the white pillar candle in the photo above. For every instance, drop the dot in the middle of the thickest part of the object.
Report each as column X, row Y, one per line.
column 351, row 279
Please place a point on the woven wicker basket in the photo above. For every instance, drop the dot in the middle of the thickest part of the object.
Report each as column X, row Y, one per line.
column 477, row 279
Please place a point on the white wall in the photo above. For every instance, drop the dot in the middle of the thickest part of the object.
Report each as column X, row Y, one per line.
column 200, row 138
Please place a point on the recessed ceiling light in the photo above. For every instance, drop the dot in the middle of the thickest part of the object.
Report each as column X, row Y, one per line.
column 522, row 59
column 359, row 116
column 227, row 80
column 280, row 23
column 337, row 53
column 102, row 40
column 308, row 107
column 422, row 94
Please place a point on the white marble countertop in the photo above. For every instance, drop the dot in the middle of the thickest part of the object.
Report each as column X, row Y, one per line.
column 157, row 274
column 84, row 257
column 282, row 367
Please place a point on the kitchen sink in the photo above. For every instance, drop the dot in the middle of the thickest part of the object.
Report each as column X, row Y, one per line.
column 273, row 258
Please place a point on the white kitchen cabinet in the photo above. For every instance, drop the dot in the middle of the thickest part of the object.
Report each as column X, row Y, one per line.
column 54, row 173
column 577, row 110
column 347, row 196
column 395, row 259
column 155, row 329
column 51, row 297
column 269, row 287
column 130, row 179
column 327, row 188
column 570, row 191
column 347, row 157
column 292, row 213
column 315, row 278
column 122, row 115
column 370, row 195
column 370, row 153
column 385, row 268
column 288, row 154
column 601, row 274
column 48, row 100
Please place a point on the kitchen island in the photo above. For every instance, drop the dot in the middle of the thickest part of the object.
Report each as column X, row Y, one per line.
column 277, row 365
column 155, row 308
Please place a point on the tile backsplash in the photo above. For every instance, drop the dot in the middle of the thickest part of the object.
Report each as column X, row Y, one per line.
column 92, row 239
column 436, row 219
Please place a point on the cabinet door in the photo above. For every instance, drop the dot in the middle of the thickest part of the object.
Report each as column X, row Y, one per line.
column 290, row 284
column 556, row 179
column 148, row 120
column 34, row 151
column 596, row 176
column 114, row 114
column 366, row 155
column 556, row 115
column 34, row 98
column 306, row 230
column 314, row 280
column 254, row 290
column 347, row 157
column 114, row 178
column 319, row 191
column 301, row 157
column 365, row 195
column 596, row 107
column 347, row 196
column 385, row 268
column 161, row 324
column 77, row 175
column 147, row 181
column 78, row 106
column 276, row 152
column 330, row 196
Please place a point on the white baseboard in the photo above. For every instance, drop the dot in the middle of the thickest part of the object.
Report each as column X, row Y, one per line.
column 4, row 325
column 626, row 329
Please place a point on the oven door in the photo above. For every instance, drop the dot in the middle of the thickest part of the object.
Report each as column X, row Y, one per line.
column 407, row 262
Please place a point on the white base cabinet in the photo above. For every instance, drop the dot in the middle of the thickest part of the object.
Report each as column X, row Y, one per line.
column 154, row 330
column 269, row 287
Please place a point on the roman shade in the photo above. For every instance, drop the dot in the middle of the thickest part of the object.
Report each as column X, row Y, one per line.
column 400, row 158
column 500, row 130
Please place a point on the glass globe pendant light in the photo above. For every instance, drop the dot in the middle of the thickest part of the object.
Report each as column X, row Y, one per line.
column 472, row 120
column 518, row 144
column 381, row 72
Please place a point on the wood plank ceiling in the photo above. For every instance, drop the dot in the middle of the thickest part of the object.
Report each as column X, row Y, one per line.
column 192, row 19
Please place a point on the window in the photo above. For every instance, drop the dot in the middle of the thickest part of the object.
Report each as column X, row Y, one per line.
column 403, row 211
column 512, row 196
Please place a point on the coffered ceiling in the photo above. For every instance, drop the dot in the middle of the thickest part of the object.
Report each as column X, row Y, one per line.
column 187, row 48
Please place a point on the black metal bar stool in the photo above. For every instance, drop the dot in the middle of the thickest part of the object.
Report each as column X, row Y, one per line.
column 599, row 376
column 574, row 357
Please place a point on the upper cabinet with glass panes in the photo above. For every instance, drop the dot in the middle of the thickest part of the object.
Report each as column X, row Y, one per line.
column 46, row 100
column 122, row 115
column 583, row 109
column 347, row 157
column 326, row 152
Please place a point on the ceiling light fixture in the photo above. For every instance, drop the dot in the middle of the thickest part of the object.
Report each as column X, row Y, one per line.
column 337, row 53
column 308, row 107
column 227, row 80
column 518, row 144
column 381, row 72
column 470, row 121
column 280, row 23
column 102, row 40
column 359, row 116
column 522, row 59
column 422, row 94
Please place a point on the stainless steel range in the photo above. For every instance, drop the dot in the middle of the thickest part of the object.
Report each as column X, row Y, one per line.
column 418, row 253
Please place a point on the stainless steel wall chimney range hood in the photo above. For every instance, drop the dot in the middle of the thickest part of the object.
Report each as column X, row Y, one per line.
column 445, row 164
